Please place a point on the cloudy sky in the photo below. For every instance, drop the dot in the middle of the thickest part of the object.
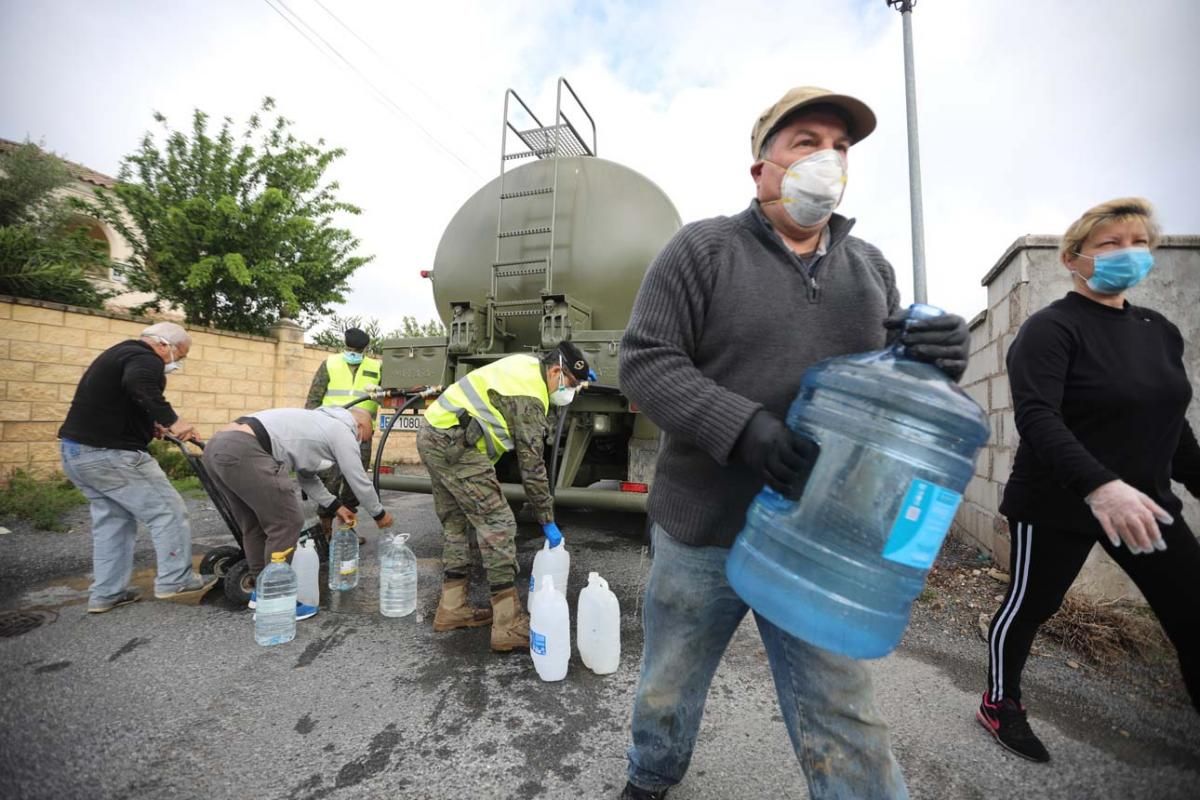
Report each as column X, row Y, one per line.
column 1030, row 110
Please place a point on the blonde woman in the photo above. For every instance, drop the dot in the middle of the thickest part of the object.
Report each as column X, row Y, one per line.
column 1100, row 394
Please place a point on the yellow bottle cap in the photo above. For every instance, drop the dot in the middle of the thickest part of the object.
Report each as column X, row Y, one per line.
column 279, row 558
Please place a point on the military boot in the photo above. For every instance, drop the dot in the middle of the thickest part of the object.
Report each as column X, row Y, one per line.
column 510, row 623
column 455, row 612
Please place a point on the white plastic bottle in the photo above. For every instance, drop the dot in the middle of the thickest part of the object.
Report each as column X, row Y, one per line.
column 598, row 626
column 549, row 631
column 275, row 612
column 554, row 561
column 343, row 560
column 397, row 576
column 307, row 565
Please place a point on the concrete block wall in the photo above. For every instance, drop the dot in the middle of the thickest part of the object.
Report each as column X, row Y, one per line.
column 1028, row 277
column 45, row 348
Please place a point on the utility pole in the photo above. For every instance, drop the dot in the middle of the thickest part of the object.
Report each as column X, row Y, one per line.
column 920, row 294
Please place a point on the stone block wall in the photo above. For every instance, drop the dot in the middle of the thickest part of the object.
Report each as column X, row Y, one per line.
column 45, row 348
column 1027, row 278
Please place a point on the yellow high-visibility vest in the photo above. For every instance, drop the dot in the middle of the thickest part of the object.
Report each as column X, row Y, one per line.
column 344, row 386
column 512, row 376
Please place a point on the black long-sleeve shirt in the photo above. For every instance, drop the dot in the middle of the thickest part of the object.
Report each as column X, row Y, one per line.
column 1100, row 394
column 119, row 399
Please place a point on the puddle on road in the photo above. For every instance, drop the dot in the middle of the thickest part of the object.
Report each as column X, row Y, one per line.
column 74, row 590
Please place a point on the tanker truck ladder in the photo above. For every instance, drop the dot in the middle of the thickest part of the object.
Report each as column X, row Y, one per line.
column 560, row 140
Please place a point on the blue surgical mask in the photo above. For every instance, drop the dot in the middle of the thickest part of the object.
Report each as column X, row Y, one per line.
column 1118, row 270
column 352, row 357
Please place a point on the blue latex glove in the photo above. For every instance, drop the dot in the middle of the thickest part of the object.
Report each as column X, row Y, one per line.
column 592, row 375
column 553, row 534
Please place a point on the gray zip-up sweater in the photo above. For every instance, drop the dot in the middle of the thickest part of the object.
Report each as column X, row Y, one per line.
column 307, row 442
column 727, row 320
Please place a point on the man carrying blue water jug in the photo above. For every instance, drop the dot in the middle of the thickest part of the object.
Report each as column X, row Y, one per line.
column 250, row 461
column 729, row 316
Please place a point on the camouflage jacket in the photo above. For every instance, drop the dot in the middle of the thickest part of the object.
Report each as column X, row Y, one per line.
column 528, row 424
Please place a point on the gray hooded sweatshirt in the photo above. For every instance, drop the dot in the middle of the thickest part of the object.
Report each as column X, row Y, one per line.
column 308, row 441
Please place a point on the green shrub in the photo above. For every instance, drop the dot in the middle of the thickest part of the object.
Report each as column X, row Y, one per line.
column 171, row 460
column 43, row 502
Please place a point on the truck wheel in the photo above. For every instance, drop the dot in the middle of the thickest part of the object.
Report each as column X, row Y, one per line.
column 238, row 583
column 218, row 560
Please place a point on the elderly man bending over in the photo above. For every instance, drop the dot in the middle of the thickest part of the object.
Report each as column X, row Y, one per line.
column 117, row 409
column 249, row 460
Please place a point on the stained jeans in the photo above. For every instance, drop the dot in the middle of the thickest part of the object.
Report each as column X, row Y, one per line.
column 126, row 487
column 690, row 614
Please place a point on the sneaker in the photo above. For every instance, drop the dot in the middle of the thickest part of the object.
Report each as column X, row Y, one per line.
column 253, row 600
column 196, row 585
column 1006, row 722
column 123, row 599
column 634, row 792
column 302, row 612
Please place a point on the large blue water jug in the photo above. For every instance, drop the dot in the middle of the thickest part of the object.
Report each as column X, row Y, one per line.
column 841, row 567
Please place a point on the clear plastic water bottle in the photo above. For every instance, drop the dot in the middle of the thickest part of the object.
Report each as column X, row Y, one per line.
column 276, row 591
column 841, row 567
column 343, row 559
column 397, row 576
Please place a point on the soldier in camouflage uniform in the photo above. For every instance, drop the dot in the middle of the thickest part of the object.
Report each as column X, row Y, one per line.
column 502, row 406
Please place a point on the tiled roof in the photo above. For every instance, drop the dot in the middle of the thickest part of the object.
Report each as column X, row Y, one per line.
column 78, row 171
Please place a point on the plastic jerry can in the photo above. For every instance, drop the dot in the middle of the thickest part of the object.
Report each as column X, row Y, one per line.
column 598, row 626
column 549, row 631
column 554, row 561
column 841, row 567
column 307, row 565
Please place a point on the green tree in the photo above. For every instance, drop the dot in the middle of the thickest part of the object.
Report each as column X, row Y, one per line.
column 333, row 335
column 236, row 231
column 44, row 253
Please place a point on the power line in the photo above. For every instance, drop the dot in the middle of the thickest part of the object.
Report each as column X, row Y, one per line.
column 380, row 95
column 403, row 77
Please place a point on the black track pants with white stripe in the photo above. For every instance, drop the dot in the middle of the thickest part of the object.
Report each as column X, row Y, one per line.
column 1044, row 562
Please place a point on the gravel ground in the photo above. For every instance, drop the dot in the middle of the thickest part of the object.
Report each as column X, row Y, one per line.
column 158, row 700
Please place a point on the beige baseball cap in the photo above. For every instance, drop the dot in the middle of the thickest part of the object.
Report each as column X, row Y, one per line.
column 860, row 117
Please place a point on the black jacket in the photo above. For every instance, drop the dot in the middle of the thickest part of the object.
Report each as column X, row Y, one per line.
column 119, row 399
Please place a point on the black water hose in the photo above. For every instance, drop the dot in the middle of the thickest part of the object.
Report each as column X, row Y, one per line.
column 383, row 439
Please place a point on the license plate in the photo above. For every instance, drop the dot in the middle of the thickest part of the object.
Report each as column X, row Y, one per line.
column 406, row 422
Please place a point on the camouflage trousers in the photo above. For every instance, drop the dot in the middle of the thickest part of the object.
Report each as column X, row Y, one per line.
column 338, row 486
column 466, row 496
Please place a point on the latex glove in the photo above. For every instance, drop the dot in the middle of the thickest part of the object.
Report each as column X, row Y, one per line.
column 1127, row 515
column 782, row 458
column 553, row 534
column 942, row 341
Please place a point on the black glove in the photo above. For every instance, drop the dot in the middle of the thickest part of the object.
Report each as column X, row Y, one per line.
column 942, row 341
column 782, row 458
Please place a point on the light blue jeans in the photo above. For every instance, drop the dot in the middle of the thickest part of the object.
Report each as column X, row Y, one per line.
column 689, row 615
column 126, row 487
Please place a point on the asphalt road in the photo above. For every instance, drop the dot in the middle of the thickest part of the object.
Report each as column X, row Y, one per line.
column 158, row 700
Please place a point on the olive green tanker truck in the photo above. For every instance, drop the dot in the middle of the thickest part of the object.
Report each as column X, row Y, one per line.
column 554, row 248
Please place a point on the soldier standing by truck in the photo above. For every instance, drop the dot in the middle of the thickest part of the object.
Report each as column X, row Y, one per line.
column 341, row 378
column 499, row 407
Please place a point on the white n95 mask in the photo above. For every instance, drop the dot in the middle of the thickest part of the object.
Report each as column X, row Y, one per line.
column 813, row 187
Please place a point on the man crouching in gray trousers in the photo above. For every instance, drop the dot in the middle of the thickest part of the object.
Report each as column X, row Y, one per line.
column 250, row 461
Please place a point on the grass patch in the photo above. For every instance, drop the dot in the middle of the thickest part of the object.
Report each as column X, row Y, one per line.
column 1105, row 631
column 171, row 460
column 189, row 487
column 41, row 501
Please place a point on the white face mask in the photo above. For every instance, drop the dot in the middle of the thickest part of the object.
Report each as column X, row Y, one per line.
column 563, row 395
column 173, row 365
column 812, row 187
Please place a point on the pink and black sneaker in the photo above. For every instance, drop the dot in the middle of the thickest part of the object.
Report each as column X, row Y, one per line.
column 1006, row 722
